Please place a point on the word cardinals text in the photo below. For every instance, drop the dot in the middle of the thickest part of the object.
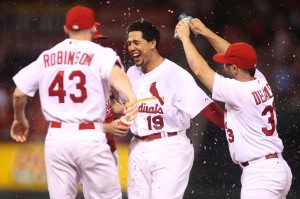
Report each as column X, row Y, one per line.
column 262, row 95
column 67, row 58
column 143, row 108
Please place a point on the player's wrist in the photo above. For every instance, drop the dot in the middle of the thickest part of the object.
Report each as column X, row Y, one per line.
column 132, row 99
column 185, row 39
column 19, row 118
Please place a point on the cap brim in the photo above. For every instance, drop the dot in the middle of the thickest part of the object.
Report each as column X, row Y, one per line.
column 96, row 36
column 220, row 58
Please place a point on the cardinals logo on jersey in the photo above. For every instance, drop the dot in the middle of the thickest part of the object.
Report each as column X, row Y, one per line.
column 154, row 92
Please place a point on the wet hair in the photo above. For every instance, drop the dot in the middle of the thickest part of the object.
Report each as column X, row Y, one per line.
column 148, row 29
column 251, row 72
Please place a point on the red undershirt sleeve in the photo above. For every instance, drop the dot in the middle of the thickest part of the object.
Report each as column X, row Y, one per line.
column 214, row 113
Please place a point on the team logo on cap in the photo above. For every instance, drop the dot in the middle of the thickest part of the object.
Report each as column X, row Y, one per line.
column 75, row 27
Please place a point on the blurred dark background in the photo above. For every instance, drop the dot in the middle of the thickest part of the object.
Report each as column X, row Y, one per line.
column 271, row 26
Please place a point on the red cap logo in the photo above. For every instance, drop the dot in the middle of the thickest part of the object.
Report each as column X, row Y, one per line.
column 79, row 18
column 240, row 54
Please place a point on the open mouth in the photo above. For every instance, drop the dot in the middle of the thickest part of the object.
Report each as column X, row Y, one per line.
column 135, row 57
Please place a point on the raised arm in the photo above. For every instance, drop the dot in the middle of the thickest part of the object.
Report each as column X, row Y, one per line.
column 120, row 82
column 198, row 65
column 216, row 41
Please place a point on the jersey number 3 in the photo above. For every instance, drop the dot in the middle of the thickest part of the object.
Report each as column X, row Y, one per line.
column 267, row 132
column 271, row 120
column 61, row 93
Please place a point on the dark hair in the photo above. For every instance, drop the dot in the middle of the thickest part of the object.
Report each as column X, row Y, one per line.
column 148, row 29
column 251, row 72
column 97, row 40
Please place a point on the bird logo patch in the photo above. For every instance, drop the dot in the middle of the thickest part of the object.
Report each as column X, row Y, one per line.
column 154, row 92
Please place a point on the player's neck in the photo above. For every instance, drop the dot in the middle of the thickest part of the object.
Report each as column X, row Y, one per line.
column 154, row 62
column 244, row 77
column 81, row 37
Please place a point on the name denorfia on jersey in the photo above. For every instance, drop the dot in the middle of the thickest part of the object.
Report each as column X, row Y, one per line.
column 262, row 95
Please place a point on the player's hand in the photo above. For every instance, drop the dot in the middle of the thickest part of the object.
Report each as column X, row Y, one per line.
column 115, row 129
column 197, row 26
column 19, row 130
column 183, row 30
column 131, row 109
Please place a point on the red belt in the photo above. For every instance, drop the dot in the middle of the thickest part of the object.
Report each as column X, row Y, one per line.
column 82, row 126
column 155, row 136
column 267, row 157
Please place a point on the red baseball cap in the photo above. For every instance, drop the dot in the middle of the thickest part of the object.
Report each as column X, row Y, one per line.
column 97, row 32
column 240, row 54
column 79, row 18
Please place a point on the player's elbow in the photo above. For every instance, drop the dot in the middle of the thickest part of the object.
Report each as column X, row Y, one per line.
column 18, row 94
column 198, row 73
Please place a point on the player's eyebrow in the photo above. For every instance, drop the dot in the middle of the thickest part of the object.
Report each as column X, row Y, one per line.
column 134, row 41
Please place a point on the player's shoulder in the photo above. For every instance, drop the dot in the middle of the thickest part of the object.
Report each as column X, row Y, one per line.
column 104, row 51
column 259, row 74
column 134, row 69
column 225, row 81
column 61, row 45
column 176, row 70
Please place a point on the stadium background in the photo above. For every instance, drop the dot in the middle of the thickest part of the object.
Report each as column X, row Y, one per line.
column 271, row 26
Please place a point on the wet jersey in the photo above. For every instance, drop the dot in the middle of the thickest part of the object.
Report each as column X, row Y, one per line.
column 168, row 97
column 73, row 80
column 250, row 117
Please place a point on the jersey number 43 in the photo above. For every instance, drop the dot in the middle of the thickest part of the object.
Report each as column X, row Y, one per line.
column 61, row 93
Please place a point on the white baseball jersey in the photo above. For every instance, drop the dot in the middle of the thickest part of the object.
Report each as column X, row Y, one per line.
column 250, row 117
column 168, row 98
column 73, row 80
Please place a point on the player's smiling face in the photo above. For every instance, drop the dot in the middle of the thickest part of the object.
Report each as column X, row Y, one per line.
column 138, row 48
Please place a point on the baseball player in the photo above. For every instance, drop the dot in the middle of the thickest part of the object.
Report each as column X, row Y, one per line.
column 160, row 154
column 250, row 116
column 73, row 79
column 111, row 126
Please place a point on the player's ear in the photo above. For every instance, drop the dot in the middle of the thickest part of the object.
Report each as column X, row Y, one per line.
column 235, row 69
column 67, row 31
column 152, row 43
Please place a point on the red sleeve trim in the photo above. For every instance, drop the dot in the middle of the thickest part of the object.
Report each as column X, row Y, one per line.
column 214, row 113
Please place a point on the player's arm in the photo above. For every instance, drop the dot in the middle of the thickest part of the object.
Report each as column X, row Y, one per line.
column 214, row 113
column 115, row 129
column 196, row 62
column 19, row 128
column 117, row 107
column 121, row 83
column 217, row 42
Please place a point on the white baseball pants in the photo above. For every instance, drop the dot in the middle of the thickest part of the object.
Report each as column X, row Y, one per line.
column 159, row 168
column 266, row 179
column 73, row 154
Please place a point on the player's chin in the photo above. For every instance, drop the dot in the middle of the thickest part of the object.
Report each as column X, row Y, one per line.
column 138, row 62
